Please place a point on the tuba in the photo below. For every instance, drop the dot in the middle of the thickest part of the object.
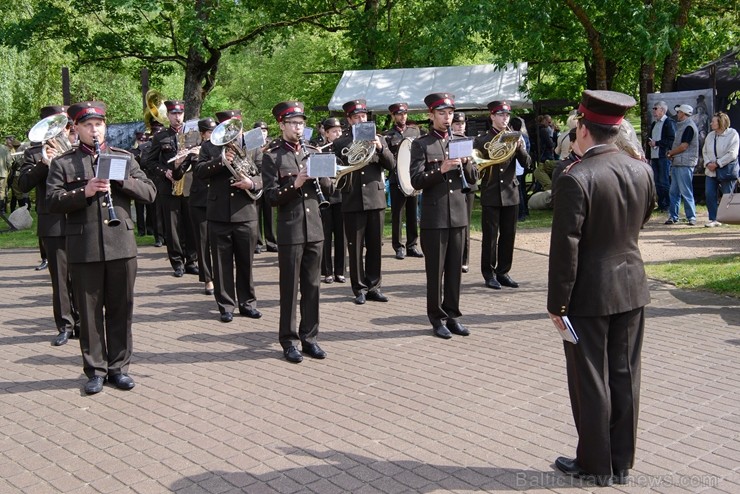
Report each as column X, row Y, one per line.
column 155, row 109
column 50, row 132
column 225, row 134
column 500, row 150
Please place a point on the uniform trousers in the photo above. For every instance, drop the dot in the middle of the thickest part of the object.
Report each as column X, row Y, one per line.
column 470, row 202
column 233, row 243
column 202, row 244
column 399, row 203
column 331, row 218
column 65, row 311
column 364, row 231
column 104, row 295
column 604, row 385
column 499, row 230
column 266, row 224
column 299, row 266
column 178, row 232
column 443, row 262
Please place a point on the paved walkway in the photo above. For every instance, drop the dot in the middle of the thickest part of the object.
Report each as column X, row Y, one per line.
column 392, row 410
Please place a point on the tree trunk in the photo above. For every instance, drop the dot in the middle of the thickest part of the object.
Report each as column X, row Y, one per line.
column 670, row 65
column 600, row 79
column 368, row 32
column 647, row 83
column 200, row 78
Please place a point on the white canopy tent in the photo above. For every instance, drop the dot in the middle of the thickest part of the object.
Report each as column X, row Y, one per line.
column 473, row 86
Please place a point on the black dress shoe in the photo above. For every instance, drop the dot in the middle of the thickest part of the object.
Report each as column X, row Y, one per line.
column 76, row 332
column 621, row 477
column 192, row 270
column 505, row 280
column 94, row 385
column 442, row 332
column 340, row 279
column 208, row 291
column 293, row 355
column 492, row 283
column 249, row 312
column 457, row 328
column 465, row 268
column 313, row 350
column 62, row 338
column 400, row 254
column 44, row 264
column 414, row 252
column 360, row 299
column 158, row 243
column 121, row 381
column 178, row 273
column 258, row 250
column 570, row 466
column 227, row 317
column 376, row 296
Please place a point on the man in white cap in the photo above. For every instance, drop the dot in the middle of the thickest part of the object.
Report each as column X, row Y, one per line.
column 684, row 156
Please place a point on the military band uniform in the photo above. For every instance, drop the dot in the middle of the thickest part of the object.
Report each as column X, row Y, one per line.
column 332, row 267
column 300, row 238
column 363, row 209
column 50, row 229
column 399, row 200
column 176, row 216
column 443, row 221
column 499, row 197
column 198, row 215
column 232, row 233
column 146, row 216
column 102, row 258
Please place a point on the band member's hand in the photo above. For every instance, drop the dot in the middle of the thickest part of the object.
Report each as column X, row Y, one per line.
column 448, row 165
column 230, row 155
column 557, row 321
column 96, row 185
column 378, row 144
column 244, row 184
column 51, row 153
column 301, row 178
column 179, row 160
column 712, row 166
column 168, row 175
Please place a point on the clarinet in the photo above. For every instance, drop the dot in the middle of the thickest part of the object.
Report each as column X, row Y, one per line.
column 112, row 218
column 465, row 185
column 323, row 203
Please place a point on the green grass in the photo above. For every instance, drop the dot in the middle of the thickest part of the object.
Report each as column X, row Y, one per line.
column 719, row 274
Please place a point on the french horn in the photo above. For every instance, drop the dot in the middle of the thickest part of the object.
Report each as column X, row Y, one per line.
column 50, row 133
column 358, row 155
column 500, row 149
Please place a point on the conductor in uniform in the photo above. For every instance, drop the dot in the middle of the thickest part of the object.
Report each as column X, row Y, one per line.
column 300, row 234
column 100, row 253
column 399, row 200
column 363, row 208
column 232, row 225
column 444, row 214
column 597, row 279
column 51, row 227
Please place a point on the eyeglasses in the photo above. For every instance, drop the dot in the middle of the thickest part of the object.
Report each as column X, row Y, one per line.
column 294, row 123
column 655, row 107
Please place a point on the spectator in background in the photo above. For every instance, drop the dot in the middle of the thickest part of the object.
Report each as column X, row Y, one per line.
column 662, row 133
column 683, row 155
column 562, row 148
column 720, row 151
column 546, row 146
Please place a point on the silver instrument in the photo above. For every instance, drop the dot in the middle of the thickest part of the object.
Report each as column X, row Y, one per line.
column 228, row 135
column 403, row 168
column 50, row 133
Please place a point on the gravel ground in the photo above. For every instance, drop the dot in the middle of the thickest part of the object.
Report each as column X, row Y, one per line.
column 658, row 242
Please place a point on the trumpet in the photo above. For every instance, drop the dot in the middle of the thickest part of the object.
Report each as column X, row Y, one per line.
column 50, row 133
column 225, row 134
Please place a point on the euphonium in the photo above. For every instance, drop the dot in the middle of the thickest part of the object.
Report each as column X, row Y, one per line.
column 225, row 134
column 500, row 150
column 50, row 132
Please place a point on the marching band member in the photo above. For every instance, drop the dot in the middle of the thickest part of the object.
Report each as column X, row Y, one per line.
column 499, row 197
column 331, row 217
column 399, row 201
column 266, row 223
column 198, row 215
column 232, row 226
column 443, row 215
column 50, row 230
column 300, row 235
column 363, row 208
column 101, row 252
column 459, row 125
column 178, row 233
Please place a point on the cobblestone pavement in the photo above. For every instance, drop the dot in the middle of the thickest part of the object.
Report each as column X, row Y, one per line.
column 391, row 410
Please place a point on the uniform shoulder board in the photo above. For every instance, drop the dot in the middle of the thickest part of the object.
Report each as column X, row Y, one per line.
column 118, row 150
column 274, row 144
column 69, row 151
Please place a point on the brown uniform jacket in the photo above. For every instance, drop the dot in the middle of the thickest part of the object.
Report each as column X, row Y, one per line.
column 595, row 264
column 365, row 188
column 226, row 204
column 33, row 173
column 499, row 186
column 298, row 217
column 444, row 203
column 89, row 238
column 163, row 147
